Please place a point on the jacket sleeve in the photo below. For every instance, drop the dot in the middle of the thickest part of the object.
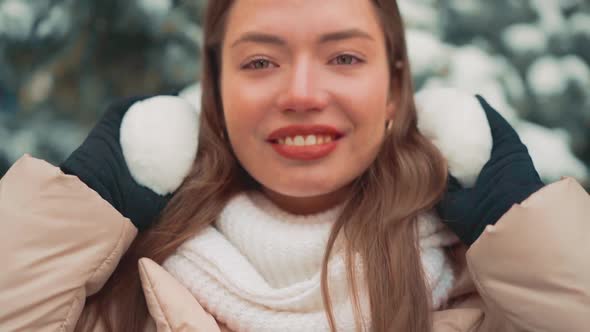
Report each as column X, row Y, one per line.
column 532, row 269
column 59, row 243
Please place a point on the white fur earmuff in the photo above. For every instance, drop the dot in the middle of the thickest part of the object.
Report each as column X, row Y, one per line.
column 159, row 139
column 457, row 125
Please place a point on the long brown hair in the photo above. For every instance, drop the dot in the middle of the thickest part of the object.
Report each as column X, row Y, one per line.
column 378, row 220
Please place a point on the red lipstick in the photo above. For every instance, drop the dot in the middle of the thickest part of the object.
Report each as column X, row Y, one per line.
column 310, row 152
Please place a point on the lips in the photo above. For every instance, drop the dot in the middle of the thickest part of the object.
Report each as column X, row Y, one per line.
column 294, row 130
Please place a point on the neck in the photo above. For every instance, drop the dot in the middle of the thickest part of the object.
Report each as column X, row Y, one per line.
column 307, row 205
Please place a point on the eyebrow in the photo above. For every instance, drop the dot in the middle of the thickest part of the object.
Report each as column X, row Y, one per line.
column 264, row 38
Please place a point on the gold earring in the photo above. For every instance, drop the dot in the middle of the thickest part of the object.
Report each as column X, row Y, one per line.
column 389, row 124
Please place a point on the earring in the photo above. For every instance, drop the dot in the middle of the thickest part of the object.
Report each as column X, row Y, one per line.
column 389, row 124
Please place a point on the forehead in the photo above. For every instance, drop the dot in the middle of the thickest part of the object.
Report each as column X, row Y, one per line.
column 301, row 19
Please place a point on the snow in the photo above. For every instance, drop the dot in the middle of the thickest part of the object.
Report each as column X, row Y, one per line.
column 545, row 77
column 155, row 9
column 566, row 4
column 419, row 15
column 57, row 24
column 576, row 70
column 551, row 19
column 525, row 38
column 17, row 19
column 579, row 23
column 470, row 64
column 427, row 53
column 549, row 149
column 513, row 83
column 549, row 76
column 467, row 8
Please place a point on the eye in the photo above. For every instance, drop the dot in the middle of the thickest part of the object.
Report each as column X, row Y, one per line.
column 346, row 59
column 257, row 64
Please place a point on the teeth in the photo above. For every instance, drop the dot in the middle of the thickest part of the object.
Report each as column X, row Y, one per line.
column 310, row 140
column 300, row 140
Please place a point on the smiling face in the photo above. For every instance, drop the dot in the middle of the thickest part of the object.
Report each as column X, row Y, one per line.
column 305, row 63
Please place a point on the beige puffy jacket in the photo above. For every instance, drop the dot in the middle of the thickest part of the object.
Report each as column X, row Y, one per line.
column 60, row 241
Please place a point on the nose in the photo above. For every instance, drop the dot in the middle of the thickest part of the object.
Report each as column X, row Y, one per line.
column 302, row 88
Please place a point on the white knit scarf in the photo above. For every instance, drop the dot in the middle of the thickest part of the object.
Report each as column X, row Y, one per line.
column 259, row 268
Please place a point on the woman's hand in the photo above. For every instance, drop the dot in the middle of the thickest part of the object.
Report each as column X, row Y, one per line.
column 161, row 142
column 508, row 178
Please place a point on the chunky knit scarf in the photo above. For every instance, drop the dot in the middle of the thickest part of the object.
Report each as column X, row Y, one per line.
column 258, row 268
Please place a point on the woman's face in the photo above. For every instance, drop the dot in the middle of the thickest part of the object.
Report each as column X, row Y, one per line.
column 319, row 65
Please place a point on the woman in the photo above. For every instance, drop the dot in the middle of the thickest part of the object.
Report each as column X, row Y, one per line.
column 233, row 237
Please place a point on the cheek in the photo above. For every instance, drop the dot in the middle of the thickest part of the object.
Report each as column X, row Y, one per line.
column 246, row 100
column 242, row 107
column 367, row 113
column 366, row 92
column 366, row 102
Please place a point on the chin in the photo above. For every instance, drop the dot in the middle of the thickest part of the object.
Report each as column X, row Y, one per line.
column 298, row 189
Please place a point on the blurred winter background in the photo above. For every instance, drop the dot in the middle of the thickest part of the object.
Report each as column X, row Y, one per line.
column 63, row 61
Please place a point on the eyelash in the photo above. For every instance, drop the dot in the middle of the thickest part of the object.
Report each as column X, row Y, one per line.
column 247, row 65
